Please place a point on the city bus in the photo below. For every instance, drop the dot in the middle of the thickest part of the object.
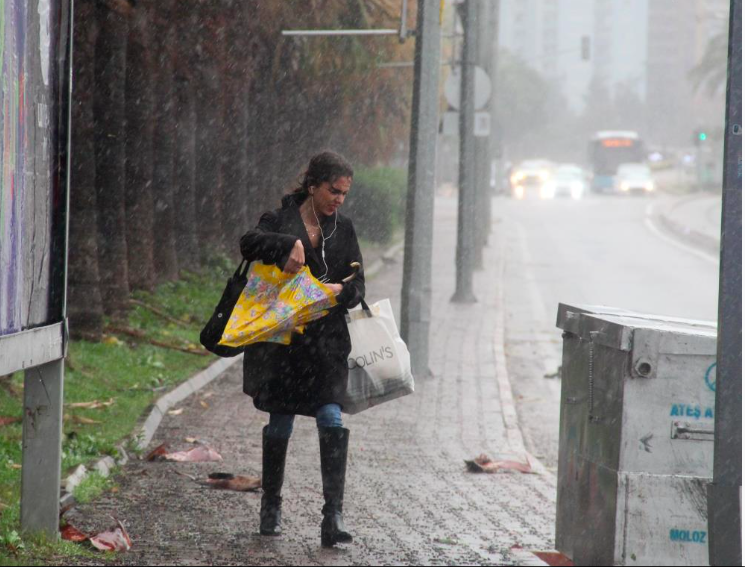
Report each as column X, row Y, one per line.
column 608, row 149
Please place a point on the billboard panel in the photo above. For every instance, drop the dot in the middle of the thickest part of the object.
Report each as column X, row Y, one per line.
column 33, row 130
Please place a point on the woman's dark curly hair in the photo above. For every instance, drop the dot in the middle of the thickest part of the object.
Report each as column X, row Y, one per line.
column 326, row 166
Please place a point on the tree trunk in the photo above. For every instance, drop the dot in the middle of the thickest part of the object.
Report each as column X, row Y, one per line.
column 236, row 79
column 139, row 164
column 109, row 111
column 159, row 14
column 85, row 308
column 185, row 127
column 209, row 191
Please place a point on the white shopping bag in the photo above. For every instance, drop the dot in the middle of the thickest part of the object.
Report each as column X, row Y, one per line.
column 379, row 364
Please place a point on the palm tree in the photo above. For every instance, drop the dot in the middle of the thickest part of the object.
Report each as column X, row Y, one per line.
column 235, row 70
column 185, row 128
column 85, row 308
column 139, row 155
column 109, row 134
column 159, row 15
column 209, row 105
column 710, row 74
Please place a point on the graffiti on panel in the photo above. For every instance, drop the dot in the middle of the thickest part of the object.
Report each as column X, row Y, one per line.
column 13, row 143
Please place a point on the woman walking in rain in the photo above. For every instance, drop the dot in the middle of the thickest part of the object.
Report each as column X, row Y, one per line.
column 309, row 376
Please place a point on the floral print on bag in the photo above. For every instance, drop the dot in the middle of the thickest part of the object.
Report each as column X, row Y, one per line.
column 274, row 305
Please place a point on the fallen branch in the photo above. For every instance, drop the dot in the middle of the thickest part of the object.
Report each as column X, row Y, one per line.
column 158, row 312
column 143, row 336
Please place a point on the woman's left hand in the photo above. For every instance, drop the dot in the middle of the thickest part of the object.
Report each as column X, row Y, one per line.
column 335, row 287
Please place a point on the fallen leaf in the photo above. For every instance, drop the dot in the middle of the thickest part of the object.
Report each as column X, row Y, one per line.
column 111, row 340
column 159, row 451
column 237, row 483
column 176, row 411
column 192, row 478
column 95, row 404
column 204, row 404
column 199, row 454
column 208, row 395
column 85, row 420
column 71, row 533
column 191, row 440
column 114, row 489
column 116, row 539
column 7, row 420
column 483, row 464
column 15, row 466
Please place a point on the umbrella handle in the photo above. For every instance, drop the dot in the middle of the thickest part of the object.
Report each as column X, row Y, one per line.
column 356, row 267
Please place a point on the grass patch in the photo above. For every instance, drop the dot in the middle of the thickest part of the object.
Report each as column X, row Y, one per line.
column 93, row 486
column 130, row 371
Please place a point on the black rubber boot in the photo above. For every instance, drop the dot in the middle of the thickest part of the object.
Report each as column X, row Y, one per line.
column 274, row 451
column 334, row 442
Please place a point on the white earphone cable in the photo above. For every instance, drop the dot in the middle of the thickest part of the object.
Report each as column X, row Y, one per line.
column 324, row 278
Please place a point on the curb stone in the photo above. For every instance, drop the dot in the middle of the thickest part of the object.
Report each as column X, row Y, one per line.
column 515, row 438
column 388, row 257
column 703, row 242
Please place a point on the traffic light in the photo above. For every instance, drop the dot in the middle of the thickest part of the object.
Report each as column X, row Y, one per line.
column 699, row 137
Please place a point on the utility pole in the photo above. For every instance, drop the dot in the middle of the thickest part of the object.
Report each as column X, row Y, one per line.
column 725, row 518
column 416, row 292
column 467, row 197
column 495, row 141
column 481, row 180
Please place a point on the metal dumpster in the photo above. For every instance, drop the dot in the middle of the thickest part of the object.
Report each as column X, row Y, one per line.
column 636, row 437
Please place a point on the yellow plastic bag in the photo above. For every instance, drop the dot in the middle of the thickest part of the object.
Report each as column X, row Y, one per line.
column 275, row 304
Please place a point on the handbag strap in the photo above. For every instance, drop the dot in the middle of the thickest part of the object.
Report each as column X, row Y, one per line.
column 242, row 270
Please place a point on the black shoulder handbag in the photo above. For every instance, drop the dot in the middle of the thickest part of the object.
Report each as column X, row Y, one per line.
column 215, row 327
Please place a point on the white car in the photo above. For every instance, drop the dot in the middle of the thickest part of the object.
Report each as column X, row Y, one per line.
column 568, row 180
column 531, row 179
column 634, row 178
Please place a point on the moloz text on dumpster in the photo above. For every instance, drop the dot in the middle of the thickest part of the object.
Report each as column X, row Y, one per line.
column 687, row 536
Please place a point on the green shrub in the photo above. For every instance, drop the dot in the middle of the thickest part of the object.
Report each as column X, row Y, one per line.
column 377, row 202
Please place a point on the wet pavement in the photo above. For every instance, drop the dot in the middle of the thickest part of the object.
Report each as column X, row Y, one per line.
column 409, row 499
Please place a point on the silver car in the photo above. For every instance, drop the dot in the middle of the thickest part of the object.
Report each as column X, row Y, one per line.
column 634, row 178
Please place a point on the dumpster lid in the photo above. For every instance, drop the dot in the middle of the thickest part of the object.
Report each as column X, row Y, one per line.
column 614, row 327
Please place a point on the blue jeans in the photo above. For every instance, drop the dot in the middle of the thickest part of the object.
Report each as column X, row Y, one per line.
column 280, row 425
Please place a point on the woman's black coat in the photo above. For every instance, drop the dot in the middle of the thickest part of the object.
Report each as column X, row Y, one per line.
column 312, row 371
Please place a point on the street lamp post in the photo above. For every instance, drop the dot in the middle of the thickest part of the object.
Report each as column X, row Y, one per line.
column 467, row 200
column 416, row 292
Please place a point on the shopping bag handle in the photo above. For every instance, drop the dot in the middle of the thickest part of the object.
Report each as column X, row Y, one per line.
column 356, row 267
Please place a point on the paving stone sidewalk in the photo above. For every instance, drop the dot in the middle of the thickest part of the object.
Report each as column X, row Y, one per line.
column 409, row 500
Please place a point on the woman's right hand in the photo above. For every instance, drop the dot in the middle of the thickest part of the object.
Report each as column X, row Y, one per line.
column 297, row 258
